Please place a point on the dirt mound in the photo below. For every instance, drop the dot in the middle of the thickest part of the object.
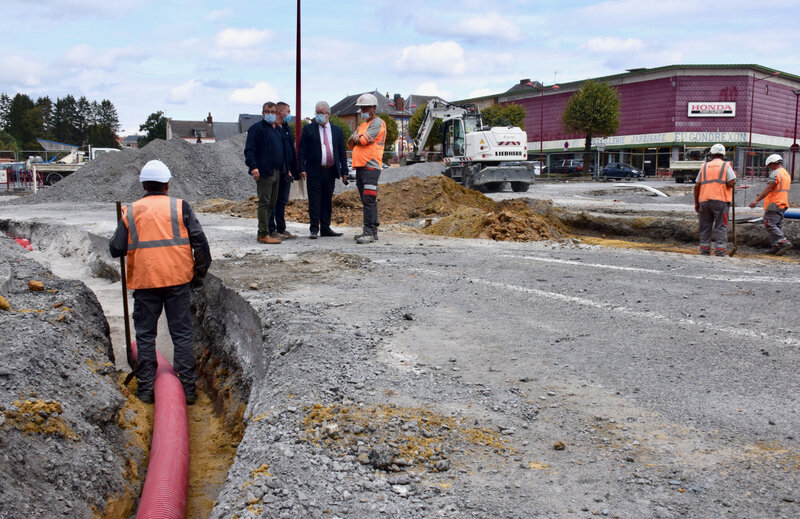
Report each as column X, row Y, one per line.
column 448, row 209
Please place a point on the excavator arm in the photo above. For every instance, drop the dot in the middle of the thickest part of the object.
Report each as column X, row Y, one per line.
column 434, row 110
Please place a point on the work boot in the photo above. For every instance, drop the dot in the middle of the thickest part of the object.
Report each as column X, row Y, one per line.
column 286, row 235
column 705, row 252
column 268, row 239
column 191, row 396
column 783, row 247
column 720, row 252
column 365, row 238
column 145, row 395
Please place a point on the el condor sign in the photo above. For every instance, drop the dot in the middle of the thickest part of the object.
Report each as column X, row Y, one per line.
column 711, row 109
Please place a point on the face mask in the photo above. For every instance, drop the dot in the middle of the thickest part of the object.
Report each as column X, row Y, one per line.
column 287, row 119
column 365, row 115
column 269, row 118
column 320, row 118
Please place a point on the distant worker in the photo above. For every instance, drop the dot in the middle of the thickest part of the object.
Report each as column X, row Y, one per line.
column 266, row 162
column 167, row 254
column 776, row 201
column 323, row 159
column 277, row 220
column 367, row 144
column 713, row 192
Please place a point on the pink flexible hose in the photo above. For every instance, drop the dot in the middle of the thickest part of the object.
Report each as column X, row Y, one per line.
column 167, row 480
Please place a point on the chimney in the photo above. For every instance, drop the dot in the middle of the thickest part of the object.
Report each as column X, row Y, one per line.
column 209, row 120
column 524, row 81
column 399, row 102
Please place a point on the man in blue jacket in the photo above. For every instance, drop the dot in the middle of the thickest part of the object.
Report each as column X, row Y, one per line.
column 323, row 159
column 266, row 162
column 277, row 221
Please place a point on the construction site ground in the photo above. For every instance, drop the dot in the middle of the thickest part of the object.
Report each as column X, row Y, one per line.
column 562, row 353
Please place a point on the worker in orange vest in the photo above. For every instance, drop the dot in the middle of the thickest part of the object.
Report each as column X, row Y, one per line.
column 776, row 202
column 713, row 192
column 367, row 144
column 167, row 254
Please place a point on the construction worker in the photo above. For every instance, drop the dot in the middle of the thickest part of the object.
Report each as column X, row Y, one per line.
column 367, row 144
column 713, row 192
column 167, row 254
column 776, row 201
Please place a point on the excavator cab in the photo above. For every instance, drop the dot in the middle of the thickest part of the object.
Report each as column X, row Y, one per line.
column 453, row 145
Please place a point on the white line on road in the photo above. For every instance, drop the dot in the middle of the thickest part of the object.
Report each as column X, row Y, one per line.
column 651, row 316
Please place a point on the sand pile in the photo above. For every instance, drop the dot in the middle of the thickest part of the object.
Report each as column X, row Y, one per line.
column 448, row 209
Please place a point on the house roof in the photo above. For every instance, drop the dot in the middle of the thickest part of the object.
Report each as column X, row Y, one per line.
column 131, row 138
column 347, row 106
column 247, row 120
column 224, row 131
column 186, row 129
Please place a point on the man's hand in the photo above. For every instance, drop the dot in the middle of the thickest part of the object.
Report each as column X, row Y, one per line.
column 696, row 207
column 352, row 140
column 255, row 174
column 303, row 175
column 753, row 203
column 344, row 180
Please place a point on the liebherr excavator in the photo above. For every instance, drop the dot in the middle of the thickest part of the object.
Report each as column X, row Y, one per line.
column 476, row 156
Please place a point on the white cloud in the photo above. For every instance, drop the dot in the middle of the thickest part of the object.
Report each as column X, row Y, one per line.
column 480, row 92
column 430, row 89
column 612, row 44
column 184, row 93
column 15, row 70
column 87, row 57
column 439, row 58
column 258, row 94
column 490, row 26
column 218, row 14
column 241, row 38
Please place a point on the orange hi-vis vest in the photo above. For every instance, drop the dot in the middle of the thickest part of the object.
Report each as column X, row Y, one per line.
column 713, row 185
column 369, row 155
column 159, row 254
column 780, row 193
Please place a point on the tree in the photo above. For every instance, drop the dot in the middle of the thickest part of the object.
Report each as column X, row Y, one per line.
column 107, row 115
column 8, row 142
column 101, row 136
column 5, row 106
column 65, row 121
column 155, row 127
column 511, row 114
column 83, row 110
column 25, row 121
column 46, row 105
column 435, row 136
column 336, row 121
column 594, row 111
column 392, row 133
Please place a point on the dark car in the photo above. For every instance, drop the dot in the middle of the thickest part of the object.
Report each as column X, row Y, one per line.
column 620, row 170
column 569, row 166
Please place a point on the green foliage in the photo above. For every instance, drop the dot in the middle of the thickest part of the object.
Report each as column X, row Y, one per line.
column 337, row 121
column 392, row 132
column 435, row 136
column 593, row 110
column 155, row 127
column 101, row 136
column 7, row 142
column 510, row 114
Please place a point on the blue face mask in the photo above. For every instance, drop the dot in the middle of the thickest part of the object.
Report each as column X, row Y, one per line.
column 365, row 115
column 320, row 118
column 288, row 119
column 269, row 118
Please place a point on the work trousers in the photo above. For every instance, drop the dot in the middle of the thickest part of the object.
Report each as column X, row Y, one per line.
column 277, row 221
column 320, row 187
column 773, row 222
column 147, row 306
column 367, row 184
column 267, row 190
column 713, row 220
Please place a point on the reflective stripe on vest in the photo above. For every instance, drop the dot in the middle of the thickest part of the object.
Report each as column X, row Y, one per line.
column 713, row 183
column 780, row 193
column 370, row 155
column 159, row 253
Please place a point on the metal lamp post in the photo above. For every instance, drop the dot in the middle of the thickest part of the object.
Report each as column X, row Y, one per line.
column 750, row 132
column 795, row 146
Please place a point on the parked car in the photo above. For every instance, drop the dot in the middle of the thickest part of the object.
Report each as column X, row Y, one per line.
column 620, row 170
column 569, row 166
column 537, row 167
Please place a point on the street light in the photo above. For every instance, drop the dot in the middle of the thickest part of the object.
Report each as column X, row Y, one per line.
column 795, row 146
column 750, row 133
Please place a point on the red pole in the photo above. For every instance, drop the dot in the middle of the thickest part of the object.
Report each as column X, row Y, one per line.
column 298, row 127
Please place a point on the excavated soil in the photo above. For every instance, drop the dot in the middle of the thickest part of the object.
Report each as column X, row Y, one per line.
column 437, row 205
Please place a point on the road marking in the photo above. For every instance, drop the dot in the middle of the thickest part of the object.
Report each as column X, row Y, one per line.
column 709, row 277
column 652, row 316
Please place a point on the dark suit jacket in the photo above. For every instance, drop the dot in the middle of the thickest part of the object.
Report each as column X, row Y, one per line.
column 311, row 150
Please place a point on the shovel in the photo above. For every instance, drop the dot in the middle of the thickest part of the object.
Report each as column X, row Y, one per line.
column 733, row 219
column 128, row 350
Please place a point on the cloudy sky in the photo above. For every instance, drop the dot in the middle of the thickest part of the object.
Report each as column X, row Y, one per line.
column 189, row 58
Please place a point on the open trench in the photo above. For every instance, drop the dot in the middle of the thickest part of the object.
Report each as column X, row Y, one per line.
column 228, row 346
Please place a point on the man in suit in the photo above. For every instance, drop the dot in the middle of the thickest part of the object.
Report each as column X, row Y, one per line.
column 323, row 159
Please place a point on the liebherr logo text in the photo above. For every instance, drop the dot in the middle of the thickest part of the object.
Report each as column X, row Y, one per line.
column 507, row 153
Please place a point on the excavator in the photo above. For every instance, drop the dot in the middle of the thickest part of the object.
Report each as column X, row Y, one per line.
column 477, row 156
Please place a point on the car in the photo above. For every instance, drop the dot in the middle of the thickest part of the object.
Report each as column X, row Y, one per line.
column 620, row 170
column 537, row 167
column 568, row 166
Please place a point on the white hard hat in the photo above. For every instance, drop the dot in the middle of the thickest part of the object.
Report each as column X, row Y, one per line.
column 718, row 149
column 774, row 158
column 367, row 100
column 155, row 171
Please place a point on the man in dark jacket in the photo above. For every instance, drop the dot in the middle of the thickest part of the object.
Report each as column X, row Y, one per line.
column 323, row 159
column 277, row 221
column 266, row 162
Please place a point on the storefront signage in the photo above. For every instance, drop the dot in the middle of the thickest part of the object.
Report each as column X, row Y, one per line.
column 711, row 109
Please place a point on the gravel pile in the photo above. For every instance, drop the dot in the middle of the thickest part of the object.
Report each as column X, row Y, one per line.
column 421, row 170
column 62, row 452
column 199, row 172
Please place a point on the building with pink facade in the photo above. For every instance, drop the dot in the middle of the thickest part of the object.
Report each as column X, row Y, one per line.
column 669, row 113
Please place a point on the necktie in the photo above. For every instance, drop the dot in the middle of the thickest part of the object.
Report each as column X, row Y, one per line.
column 328, row 152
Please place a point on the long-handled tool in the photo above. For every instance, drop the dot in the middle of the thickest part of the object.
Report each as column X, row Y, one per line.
column 128, row 350
column 733, row 219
